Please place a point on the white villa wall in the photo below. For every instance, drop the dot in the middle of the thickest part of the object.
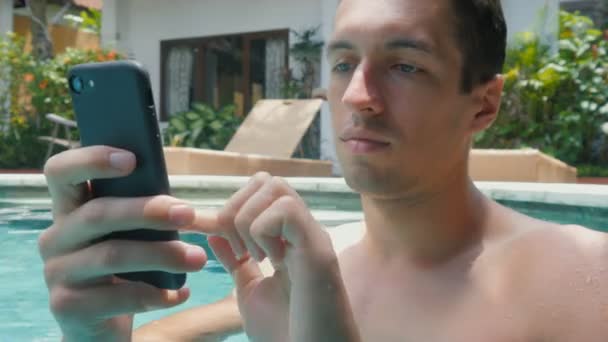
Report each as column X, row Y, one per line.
column 138, row 27
column 6, row 16
column 143, row 24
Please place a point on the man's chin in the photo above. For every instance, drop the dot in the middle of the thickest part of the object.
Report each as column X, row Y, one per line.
column 367, row 181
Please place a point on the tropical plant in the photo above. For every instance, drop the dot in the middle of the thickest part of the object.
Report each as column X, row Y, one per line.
column 202, row 127
column 306, row 51
column 591, row 171
column 29, row 89
column 556, row 99
column 87, row 20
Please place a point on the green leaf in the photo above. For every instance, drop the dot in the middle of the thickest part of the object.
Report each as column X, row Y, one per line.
column 216, row 125
column 198, row 124
column 178, row 124
column 192, row 116
column 196, row 134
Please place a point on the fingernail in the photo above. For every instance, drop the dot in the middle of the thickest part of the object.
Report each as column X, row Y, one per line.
column 122, row 160
column 194, row 252
column 180, row 214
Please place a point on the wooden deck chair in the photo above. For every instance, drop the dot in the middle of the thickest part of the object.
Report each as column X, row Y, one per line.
column 274, row 128
column 53, row 140
column 265, row 141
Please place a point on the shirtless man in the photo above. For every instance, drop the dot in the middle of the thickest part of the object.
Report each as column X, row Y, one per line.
column 412, row 81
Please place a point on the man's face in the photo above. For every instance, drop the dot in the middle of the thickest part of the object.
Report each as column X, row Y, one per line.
column 400, row 117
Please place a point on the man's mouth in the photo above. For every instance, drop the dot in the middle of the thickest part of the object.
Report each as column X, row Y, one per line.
column 363, row 142
column 363, row 146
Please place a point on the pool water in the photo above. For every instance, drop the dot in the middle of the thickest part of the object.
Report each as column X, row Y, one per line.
column 24, row 313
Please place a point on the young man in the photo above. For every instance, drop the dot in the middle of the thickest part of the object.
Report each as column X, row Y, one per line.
column 412, row 81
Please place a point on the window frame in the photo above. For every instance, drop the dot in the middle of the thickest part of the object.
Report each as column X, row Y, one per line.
column 167, row 45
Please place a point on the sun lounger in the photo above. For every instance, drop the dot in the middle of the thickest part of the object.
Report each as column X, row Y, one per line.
column 58, row 123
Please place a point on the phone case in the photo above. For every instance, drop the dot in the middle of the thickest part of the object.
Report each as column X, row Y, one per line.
column 115, row 108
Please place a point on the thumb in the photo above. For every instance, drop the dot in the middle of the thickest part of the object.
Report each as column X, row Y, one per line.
column 243, row 271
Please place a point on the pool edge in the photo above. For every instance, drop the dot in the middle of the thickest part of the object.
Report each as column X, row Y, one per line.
column 581, row 195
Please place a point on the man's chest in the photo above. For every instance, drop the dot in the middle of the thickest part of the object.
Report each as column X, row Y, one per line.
column 399, row 319
column 388, row 311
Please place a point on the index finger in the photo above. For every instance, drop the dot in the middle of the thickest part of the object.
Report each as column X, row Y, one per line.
column 205, row 222
column 67, row 173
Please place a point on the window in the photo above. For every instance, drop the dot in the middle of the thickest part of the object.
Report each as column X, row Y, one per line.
column 235, row 69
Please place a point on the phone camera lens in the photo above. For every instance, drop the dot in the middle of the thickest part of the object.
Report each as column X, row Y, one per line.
column 76, row 84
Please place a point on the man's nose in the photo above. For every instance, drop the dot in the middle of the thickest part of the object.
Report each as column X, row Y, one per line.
column 362, row 94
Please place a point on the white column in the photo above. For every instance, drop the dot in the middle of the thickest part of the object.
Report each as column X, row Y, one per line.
column 540, row 16
column 6, row 16
column 328, row 151
column 116, row 27
column 109, row 24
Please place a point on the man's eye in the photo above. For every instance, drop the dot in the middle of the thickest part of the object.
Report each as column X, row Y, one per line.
column 406, row 68
column 342, row 67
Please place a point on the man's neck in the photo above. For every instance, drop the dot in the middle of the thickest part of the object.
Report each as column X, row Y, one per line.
column 427, row 229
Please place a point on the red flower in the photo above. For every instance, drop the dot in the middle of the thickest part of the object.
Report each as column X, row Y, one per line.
column 29, row 77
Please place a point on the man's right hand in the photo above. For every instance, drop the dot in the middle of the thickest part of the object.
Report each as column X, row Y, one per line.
column 88, row 302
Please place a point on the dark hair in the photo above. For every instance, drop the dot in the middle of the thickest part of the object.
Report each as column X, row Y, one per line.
column 481, row 33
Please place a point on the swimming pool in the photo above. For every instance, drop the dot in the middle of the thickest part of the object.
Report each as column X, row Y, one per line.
column 24, row 213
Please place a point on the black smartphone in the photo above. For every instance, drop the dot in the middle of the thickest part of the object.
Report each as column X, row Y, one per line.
column 114, row 107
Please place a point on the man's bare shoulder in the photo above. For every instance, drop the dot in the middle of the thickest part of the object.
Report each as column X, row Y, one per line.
column 559, row 273
column 565, row 248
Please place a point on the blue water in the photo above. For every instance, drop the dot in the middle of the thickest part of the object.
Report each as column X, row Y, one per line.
column 24, row 313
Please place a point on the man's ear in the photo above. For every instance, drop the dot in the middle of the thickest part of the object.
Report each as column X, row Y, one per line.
column 488, row 99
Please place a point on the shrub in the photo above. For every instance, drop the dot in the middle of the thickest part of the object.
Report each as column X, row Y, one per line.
column 556, row 100
column 34, row 88
column 202, row 127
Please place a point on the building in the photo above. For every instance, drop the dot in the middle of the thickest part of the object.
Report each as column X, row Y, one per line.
column 234, row 51
column 231, row 51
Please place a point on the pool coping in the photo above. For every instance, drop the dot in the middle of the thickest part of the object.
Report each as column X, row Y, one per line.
column 581, row 195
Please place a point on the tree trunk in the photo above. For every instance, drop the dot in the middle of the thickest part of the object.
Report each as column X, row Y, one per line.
column 42, row 47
